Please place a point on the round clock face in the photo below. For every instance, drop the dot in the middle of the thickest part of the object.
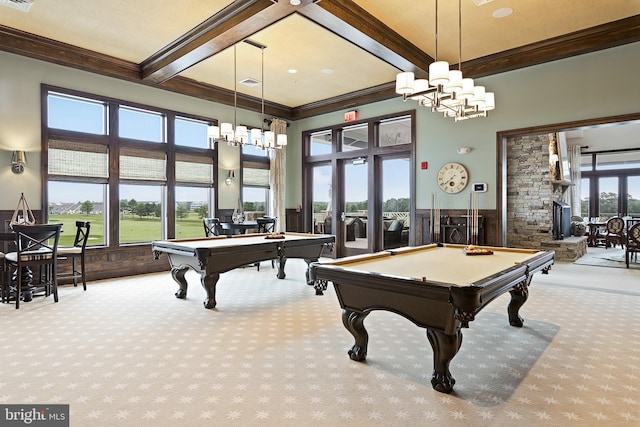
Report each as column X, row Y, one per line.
column 452, row 178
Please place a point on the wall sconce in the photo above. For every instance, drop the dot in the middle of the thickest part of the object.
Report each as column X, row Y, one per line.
column 228, row 180
column 18, row 160
column 464, row 150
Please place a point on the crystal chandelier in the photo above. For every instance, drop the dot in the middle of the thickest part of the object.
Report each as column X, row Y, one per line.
column 446, row 91
column 266, row 140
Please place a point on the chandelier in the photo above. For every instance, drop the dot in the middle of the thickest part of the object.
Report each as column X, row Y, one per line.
column 447, row 91
column 266, row 140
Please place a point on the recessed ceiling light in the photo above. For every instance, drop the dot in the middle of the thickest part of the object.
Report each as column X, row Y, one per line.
column 327, row 71
column 503, row 12
column 292, row 71
column 294, row 2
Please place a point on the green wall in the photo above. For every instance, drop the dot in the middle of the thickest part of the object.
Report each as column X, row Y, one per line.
column 589, row 86
column 594, row 85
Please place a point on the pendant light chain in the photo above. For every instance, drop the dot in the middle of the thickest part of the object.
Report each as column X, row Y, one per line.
column 239, row 135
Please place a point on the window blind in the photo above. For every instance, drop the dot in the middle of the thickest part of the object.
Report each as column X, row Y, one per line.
column 80, row 159
column 255, row 177
column 142, row 164
column 194, row 169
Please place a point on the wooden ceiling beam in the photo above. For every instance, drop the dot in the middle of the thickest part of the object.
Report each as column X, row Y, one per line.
column 231, row 25
column 354, row 24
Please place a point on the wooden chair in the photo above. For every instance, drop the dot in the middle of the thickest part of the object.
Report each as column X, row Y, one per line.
column 211, row 226
column 633, row 244
column 614, row 233
column 266, row 224
column 36, row 249
column 228, row 229
column 76, row 253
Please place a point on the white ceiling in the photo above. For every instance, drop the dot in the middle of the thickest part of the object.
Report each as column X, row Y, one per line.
column 134, row 30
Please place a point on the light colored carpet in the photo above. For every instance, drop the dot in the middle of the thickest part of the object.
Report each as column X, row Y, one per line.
column 128, row 353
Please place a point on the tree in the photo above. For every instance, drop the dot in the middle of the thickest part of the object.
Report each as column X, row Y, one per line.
column 142, row 209
column 132, row 206
column 248, row 207
column 202, row 211
column 86, row 207
column 182, row 212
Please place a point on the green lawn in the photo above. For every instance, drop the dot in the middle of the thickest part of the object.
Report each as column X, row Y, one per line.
column 132, row 229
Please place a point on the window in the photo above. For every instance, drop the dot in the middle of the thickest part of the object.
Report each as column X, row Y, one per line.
column 140, row 124
column 610, row 183
column 255, row 202
column 253, row 150
column 87, row 157
column 320, row 143
column 608, row 201
column 396, row 131
column 584, row 198
column 255, row 189
column 192, row 205
column 140, row 213
column 191, row 133
column 355, row 137
column 76, row 201
column 76, row 114
column 194, row 195
column 77, row 187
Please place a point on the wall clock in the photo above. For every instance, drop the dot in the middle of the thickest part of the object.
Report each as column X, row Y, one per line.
column 452, row 178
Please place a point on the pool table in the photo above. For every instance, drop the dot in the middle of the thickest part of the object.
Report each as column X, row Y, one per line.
column 214, row 255
column 437, row 287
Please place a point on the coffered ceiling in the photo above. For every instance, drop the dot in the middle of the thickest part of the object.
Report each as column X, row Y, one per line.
column 344, row 51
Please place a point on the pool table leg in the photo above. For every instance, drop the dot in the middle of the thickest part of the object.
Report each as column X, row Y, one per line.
column 319, row 285
column 519, row 295
column 209, row 282
column 354, row 322
column 178, row 275
column 445, row 348
column 281, row 261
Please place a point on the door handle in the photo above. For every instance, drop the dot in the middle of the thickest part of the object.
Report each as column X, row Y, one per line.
column 343, row 216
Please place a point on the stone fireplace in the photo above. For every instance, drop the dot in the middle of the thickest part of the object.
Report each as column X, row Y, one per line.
column 531, row 193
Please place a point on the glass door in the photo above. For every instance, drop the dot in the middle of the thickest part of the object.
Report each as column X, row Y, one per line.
column 396, row 201
column 608, row 202
column 354, row 206
column 633, row 196
column 321, row 199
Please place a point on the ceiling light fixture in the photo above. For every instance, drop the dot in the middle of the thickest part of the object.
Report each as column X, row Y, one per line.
column 446, row 91
column 266, row 140
column 502, row 13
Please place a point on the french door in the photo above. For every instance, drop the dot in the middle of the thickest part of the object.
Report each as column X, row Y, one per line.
column 359, row 184
column 374, row 203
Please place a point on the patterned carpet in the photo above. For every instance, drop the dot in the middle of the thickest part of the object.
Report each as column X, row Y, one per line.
column 128, row 353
